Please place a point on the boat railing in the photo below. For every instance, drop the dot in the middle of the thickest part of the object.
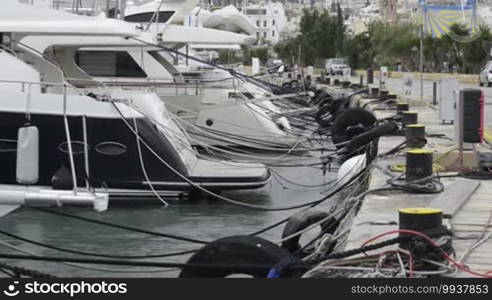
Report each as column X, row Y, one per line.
column 76, row 195
column 209, row 80
column 26, row 87
column 187, row 87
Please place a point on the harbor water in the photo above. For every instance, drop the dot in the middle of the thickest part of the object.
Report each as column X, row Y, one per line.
column 202, row 219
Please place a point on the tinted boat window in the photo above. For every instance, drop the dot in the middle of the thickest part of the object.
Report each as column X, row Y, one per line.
column 108, row 64
column 146, row 17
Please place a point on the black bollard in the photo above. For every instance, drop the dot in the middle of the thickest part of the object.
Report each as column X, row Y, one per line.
column 402, row 106
column 408, row 118
column 415, row 136
column 418, row 165
column 370, row 76
column 418, row 219
column 434, row 93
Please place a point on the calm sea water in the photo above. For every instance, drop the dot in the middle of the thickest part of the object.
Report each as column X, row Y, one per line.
column 204, row 219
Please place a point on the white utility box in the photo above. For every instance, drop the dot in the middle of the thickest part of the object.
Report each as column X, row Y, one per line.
column 310, row 70
column 448, row 92
column 255, row 65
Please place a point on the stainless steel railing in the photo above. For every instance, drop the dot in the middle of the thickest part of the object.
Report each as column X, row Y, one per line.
column 180, row 88
column 26, row 86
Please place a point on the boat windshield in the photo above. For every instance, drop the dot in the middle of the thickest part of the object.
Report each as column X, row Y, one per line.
column 147, row 17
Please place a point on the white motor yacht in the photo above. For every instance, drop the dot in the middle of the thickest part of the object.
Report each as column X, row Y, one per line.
column 64, row 137
column 239, row 115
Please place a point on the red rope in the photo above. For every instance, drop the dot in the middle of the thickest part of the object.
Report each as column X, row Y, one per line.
column 458, row 265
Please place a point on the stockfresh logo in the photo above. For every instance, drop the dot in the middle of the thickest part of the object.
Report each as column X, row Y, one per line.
column 460, row 22
column 12, row 290
column 469, row 25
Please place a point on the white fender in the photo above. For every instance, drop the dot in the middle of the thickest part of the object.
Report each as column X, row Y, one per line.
column 27, row 155
column 351, row 167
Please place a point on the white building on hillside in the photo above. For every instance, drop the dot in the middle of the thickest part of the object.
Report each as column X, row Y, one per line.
column 269, row 19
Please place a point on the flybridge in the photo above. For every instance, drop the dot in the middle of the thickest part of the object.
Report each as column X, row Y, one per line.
column 45, row 20
column 41, row 21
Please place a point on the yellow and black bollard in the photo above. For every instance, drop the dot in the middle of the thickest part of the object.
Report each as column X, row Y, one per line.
column 402, row 106
column 409, row 117
column 420, row 219
column 415, row 136
column 418, row 165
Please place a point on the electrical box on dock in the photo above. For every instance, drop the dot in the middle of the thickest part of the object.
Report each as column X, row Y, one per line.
column 470, row 116
column 448, row 93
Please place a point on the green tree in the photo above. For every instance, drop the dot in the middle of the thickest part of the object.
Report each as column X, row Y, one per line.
column 383, row 44
column 477, row 52
column 358, row 52
column 322, row 35
column 261, row 52
column 318, row 34
column 340, row 31
column 287, row 50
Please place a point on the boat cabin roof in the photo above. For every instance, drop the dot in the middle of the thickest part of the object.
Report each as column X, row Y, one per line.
column 22, row 18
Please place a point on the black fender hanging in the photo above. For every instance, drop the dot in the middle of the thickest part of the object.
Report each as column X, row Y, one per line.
column 349, row 124
column 367, row 141
column 227, row 256
column 330, row 109
column 371, row 135
column 301, row 221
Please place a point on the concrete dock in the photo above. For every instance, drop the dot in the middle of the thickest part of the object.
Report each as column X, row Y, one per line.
column 467, row 203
